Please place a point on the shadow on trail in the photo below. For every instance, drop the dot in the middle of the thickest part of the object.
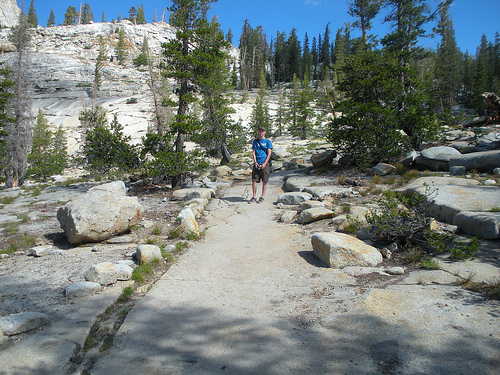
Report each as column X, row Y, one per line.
column 312, row 259
column 193, row 340
column 234, row 199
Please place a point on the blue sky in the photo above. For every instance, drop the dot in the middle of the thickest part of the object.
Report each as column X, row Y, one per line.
column 472, row 19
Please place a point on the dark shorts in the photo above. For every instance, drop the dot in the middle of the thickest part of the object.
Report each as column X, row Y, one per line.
column 261, row 174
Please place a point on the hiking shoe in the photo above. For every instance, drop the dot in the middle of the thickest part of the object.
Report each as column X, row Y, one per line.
column 261, row 199
column 252, row 200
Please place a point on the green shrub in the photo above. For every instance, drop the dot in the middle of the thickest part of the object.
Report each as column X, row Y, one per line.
column 156, row 230
column 430, row 264
column 140, row 60
column 401, row 218
column 140, row 272
column 446, row 243
column 126, row 294
column 180, row 247
column 107, row 147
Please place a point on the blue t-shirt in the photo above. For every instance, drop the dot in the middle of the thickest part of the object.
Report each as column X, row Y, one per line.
column 261, row 151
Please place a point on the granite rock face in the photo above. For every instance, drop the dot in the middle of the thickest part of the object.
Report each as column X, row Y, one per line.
column 9, row 13
column 62, row 62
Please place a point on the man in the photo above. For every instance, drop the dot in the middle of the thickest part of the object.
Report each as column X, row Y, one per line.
column 261, row 152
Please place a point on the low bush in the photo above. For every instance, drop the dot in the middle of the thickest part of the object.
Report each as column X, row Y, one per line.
column 404, row 219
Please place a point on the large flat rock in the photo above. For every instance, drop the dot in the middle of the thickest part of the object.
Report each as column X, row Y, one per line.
column 452, row 195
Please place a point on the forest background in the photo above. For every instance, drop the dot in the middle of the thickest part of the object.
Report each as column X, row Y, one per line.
column 392, row 92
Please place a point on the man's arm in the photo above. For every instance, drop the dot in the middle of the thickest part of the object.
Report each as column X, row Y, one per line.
column 269, row 151
column 254, row 158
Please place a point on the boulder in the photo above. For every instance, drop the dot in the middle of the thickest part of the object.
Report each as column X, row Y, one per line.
column 458, row 170
column 197, row 205
column 328, row 191
column 314, row 214
column 40, row 251
column 81, row 289
column 437, row 158
column 23, row 322
column 223, row 170
column 104, row 273
column 116, row 187
column 485, row 161
column 280, row 152
column 488, row 142
column 383, row 169
column 409, row 158
column 288, row 216
column 187, row 223
column 311, row 204
column 323, row 159
column 147, row 253
column 98, row 215
column 124, row 270
column 215, row 185
column 483, row 224
column 395, row 271
column 295, row 183
column 294, row 198
column 187, row 194
column 340, row 250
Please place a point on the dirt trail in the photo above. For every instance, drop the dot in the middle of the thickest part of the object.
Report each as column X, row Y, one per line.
column 251, row 298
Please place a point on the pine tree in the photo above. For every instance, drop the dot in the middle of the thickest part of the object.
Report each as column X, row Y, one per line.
column 121, row 48
column 314, row 57
column 142, row 58
column 280, row 118
column 293, row 56
column 87, row 15
column 293, row 105
column 141, row 18
column 253, row 55
column 219, row 135
column 132, row 15
column 32, row 17
column 304, row 112
column 61, row 160
column 306, row 58
column 6, row 115
column 340, row 55
column 279, row 57
column 260, row 113
column 101, row 57
column 481, row 79
column 51, row 21
column 20, row 133
column 70, row 16
column 182, row 65
column 408, row 18
column 364, row 11
column 229, row 36
column 324, row 52
column 48, row 154
column 447, row 64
